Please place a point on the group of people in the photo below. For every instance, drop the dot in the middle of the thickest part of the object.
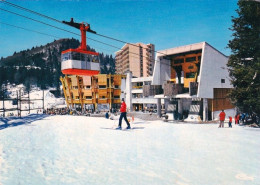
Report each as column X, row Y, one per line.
column 237, row 118
column 222, row 116
column 57, row 111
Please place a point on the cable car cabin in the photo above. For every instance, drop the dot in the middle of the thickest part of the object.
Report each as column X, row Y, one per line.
column 80, row 62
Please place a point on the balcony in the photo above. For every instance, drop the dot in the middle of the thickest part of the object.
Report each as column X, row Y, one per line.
column 151, row 90
column 86, row 92
column 102, row 100
column 116, row 101
column 137, row 87
column 171, row 89
column 117, row 92
column 88, row 101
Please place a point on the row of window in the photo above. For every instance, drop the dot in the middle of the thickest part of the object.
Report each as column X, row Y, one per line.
column 90, row 97
column 100, row 87
column 79, row 56
column 188, row 59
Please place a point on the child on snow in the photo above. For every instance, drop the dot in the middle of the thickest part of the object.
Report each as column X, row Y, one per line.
column 230, row 122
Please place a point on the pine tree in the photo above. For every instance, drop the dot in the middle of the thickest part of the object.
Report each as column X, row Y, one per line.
column 244, row 62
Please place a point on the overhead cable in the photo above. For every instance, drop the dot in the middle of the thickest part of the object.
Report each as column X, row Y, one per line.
column 53, row 19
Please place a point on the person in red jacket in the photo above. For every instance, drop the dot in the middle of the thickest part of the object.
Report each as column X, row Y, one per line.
column 222, row 116
column 123, row 115
column 230, row 122
column 238, row 117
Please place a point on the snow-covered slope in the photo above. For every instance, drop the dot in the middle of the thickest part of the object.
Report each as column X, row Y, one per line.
column 86, row 150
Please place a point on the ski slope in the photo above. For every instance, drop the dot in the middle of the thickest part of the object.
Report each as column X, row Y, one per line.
column 64, row 150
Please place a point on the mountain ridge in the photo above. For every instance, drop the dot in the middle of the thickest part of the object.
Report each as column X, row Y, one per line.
column 41, row 65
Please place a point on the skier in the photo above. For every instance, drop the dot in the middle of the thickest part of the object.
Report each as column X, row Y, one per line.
column 123, row 115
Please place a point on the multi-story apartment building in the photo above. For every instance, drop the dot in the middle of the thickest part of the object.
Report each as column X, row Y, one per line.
column 137, row 58
column 101, row 92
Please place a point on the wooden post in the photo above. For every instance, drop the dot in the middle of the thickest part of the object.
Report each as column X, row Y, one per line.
column 71, row 101
column 4, row 103
column 20, row 103
column 64, row 90
column 29, row 101
column 17, row 103
column 80, row 93
column 42, row 101
column 110, row 95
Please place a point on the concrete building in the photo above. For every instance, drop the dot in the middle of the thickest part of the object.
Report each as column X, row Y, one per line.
column 190, row 82
column 137, row 58
column 195, row 80
column 135, row 98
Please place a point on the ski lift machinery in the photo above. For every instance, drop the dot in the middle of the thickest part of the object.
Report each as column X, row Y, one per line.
column 80, row 61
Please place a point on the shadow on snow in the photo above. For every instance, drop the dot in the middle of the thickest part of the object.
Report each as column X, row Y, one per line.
column 112, row 128
column 16, row 121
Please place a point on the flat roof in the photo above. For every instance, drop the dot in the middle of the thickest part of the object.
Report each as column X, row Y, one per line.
column 185, row 48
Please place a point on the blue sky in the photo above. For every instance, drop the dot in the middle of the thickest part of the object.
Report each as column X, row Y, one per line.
column 166, row 24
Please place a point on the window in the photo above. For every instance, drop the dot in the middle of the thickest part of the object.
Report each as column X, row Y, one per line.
column 191, row 59
column 222, row 81
column 139, row 83
column 116, row 97
column 75, row 56
column 178, row 61
column 95, row 58
column 88, row 97
column 66, row 56
column 102, row 87
column 190, row 75
column 116, row 86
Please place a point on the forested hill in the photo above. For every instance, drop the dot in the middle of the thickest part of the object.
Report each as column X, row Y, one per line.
column 41, row 65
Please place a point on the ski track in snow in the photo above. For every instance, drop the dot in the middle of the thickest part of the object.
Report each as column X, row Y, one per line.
column 86, row 150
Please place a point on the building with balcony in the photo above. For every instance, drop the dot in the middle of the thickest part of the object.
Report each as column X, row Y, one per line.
column 100, row 92
column 137, row 58
column 136, row 100
column 195, row 82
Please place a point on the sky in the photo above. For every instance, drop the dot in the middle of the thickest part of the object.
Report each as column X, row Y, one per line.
column 166, row 24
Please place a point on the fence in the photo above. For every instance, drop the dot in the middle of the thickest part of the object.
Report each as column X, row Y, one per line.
column 18, row 101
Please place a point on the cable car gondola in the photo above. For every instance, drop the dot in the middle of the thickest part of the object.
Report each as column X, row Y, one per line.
column 80, row 61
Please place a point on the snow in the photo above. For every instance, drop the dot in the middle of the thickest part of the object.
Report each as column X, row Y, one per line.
column 40, row 149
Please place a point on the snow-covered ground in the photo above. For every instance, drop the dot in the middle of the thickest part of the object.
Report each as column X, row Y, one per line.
column 85, row 150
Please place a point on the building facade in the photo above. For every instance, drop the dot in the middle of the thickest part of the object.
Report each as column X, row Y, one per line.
column 190, row 82
column 139, row 102
column 100, row 92
column 137, row 58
